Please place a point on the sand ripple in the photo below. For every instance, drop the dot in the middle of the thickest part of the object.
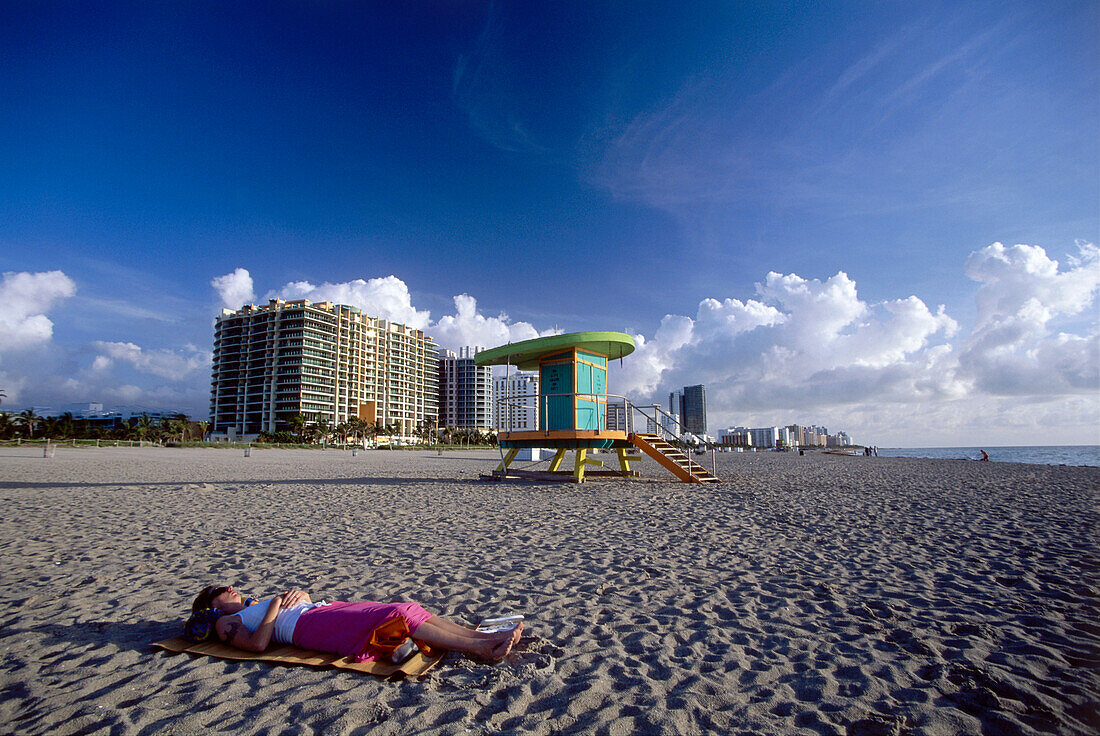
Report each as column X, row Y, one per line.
column 814, row 595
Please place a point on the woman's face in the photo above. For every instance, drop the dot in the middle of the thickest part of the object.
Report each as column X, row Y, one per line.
column 226, row 595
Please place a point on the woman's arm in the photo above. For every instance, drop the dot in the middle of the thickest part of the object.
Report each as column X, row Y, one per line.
column 294, row 597
column 232, row 630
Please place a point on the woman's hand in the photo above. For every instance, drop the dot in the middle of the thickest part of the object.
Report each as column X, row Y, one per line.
column 293, row 598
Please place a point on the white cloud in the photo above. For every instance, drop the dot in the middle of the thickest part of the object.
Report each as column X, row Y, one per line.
column 467, row 327
column 1015, row 281
column 24, row 299
column 235, row 289
column 12, row 386
column 645, row 369
column 387, row 298
column 801, row 349
column 1012, row 349
column 809, row 344
column 808, row 350
column 170, row 364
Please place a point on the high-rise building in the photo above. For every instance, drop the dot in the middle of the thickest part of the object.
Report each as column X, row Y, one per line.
column 735, row 437
column 465, row 391
column 676, row 403
column 324, row 361
column 670, row 424
column 617, row 416
column 764, row 436
column 797, row 435
column 516, row 402
column 690, row 405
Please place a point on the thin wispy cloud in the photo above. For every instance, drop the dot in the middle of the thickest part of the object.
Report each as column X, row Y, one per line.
column 710, row 144
column 482, row 86
column 124, row 308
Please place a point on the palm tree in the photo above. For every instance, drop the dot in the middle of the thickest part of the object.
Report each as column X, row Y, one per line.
column 51, row 428
column 144, row 427
column 2, row 396
column 28, row 419
column 7, row 426
column 370, row 429
column 298, row 424
column 66, row 426
column 427, row 432
column 186, row 429
column 356, row 427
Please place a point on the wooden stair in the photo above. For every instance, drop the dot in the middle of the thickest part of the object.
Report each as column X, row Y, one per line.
column 679, row 464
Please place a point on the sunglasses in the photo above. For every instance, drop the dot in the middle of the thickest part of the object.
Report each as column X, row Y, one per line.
column 218, row 591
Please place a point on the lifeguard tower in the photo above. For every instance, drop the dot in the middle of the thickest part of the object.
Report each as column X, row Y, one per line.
column 572, row 407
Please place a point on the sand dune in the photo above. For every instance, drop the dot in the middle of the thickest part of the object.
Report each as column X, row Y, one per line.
column 803, row 595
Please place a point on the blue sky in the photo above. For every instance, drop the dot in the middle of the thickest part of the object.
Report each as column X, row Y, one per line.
column 922, row 182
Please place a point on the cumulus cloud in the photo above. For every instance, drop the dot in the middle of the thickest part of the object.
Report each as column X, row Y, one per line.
column 170, row 364
column 1023, row 281
column 24, row 300
column 1013, row 349
column 387, row 297
column 12, row 385
column 235, row 289
column 814, row 349
column 468, row 327
column 803, row 343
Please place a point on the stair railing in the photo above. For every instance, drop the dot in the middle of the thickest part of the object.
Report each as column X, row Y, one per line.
column 652, row 414
column 663, row 432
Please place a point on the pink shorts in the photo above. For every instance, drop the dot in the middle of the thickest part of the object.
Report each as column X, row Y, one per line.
column 345, row 628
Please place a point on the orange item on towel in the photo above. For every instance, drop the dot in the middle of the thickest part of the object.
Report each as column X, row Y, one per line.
column 388, row 636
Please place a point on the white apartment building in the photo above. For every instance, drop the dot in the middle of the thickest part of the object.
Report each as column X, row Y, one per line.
column 617, row 418
column 465, row 391
column 516, row 402
column 767, row 436
column 735, row 437
column 324, row 361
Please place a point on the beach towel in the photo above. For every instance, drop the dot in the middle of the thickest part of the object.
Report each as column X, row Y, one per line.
column 286, row 654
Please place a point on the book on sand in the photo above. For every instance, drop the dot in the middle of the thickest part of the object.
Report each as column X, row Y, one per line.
column 502, row 623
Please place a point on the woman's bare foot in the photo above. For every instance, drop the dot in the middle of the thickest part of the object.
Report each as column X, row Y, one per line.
column 499, row 649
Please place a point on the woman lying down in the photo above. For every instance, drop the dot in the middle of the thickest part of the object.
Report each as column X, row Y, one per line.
column 364, row 631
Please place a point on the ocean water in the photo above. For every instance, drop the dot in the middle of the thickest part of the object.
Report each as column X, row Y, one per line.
column 1043, row 455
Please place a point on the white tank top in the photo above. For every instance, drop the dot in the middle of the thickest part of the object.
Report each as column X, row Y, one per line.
column 285, row 621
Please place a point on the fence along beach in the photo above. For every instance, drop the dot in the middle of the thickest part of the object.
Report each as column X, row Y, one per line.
column 802, row 595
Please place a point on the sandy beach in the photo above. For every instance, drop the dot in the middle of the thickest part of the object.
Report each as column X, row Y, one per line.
column 803, row 595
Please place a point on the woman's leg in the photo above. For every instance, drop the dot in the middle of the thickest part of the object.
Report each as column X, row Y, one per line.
column 459, row 629
column 437, row 632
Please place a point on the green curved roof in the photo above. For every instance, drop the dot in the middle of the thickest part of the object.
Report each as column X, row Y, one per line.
column 525, row 355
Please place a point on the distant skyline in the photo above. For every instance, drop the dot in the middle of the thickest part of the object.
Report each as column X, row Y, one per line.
column 879, row 217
